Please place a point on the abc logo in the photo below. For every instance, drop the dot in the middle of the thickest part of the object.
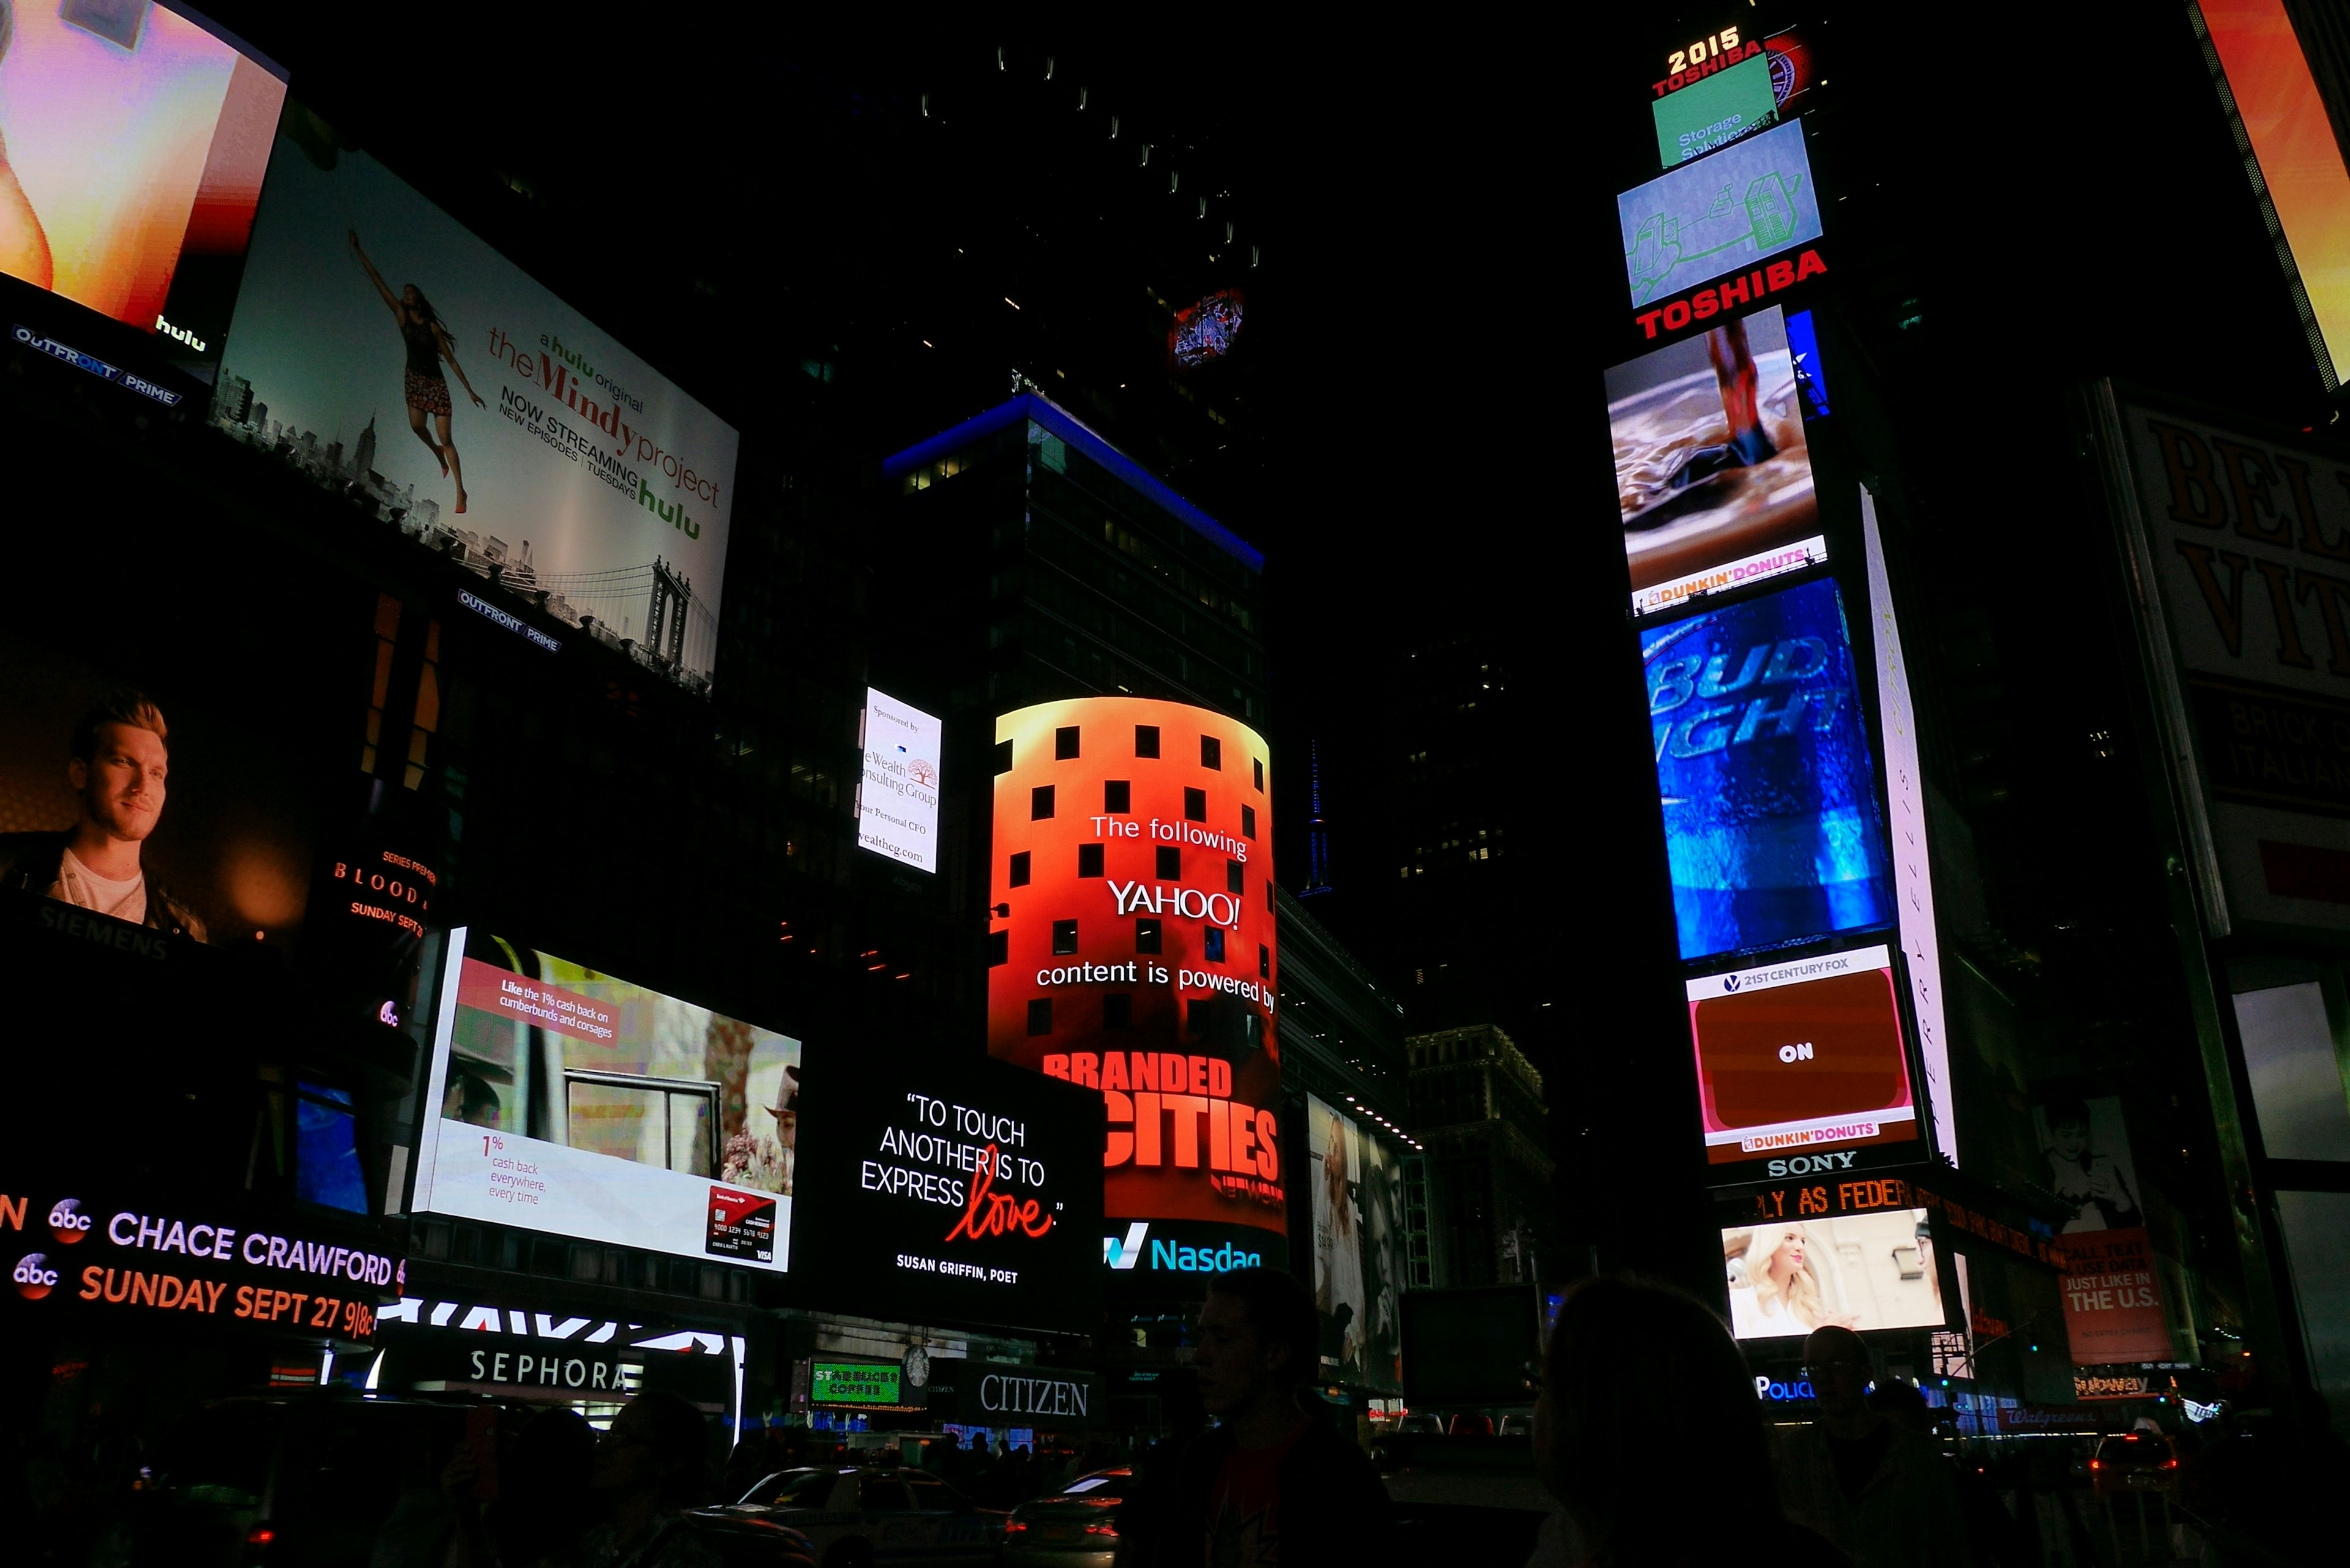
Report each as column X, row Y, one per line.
column 33, row 1277
column 67, row 1223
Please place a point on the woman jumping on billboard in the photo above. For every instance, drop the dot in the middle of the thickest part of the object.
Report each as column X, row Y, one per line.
column 427, row 339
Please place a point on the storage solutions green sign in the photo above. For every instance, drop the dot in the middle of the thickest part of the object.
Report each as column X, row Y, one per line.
column 853, row 1383
column 1714, row 111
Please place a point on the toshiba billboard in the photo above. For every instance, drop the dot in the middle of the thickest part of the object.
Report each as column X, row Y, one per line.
column 1132, row 952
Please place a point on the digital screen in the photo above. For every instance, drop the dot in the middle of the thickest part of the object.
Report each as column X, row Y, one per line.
column 853, row 1383
column 1358, row 1279
column 1720, row 215
column 1133, row 848
column 1772, row 824
column 951, row 1186
column 1714, row 474
column 2272, row 93
column 134, row 1253
column 584, row 1105
column 133, row 140
column 1802, row 1056
column 1714, row 111
column 897, row 796
column 126, row 794
column 1206, row 330
column 384, row 352
column 1861, row 1271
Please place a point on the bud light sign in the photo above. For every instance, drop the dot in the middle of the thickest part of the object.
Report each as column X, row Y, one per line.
column 1772, row 818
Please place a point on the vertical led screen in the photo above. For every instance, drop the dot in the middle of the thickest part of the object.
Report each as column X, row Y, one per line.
column 584, row 1105
column 1713, row 475
column 133, row 140
column 384, row 352
column 1769, row 786
column 1357, row 1248
column 1133, row 953
column 2295, row 162
column 1797, row 1058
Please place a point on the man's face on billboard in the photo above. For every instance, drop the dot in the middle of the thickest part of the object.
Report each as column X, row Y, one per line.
column 2066, row 1140
column 122, row 784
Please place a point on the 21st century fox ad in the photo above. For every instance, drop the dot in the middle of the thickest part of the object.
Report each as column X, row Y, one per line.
column 387, row 352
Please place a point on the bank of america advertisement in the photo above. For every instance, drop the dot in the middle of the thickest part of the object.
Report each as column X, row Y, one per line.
column 1132, row 952
column 578, row 1104
column 381, row 348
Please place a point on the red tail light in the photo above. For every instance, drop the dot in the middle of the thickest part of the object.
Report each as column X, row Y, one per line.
column 1109, row 1530
column 2096, row 1464
column 2170, row 1464
column 1014, row 1526
column 260, row 1535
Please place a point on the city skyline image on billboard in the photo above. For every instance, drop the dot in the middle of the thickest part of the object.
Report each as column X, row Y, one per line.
column 1772, row 823
column 1713, row 473
column 133, row 140
column 385, row 351
column 1718, row 215
column 1133, row 844
column 1802, row 1056
column 576, row 1104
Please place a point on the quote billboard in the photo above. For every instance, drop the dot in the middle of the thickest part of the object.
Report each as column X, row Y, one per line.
column 1714, row 474
column 952, row 1186
column 133, row 140
column 898, row 793
column 1131, row 881
column 1772, row 824
column 1719, row 217
column 1861, row 1271
column 567, row 1101
column 1798, row 1058
column 385, row 351
column 1358, row 1279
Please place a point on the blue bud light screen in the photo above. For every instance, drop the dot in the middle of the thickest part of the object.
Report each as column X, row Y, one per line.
column 1772, row 818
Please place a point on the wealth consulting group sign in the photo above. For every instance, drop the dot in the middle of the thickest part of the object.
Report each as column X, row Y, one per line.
column 2240, row 550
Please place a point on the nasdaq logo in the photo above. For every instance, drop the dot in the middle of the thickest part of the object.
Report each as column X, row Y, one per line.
column 1126, row 1254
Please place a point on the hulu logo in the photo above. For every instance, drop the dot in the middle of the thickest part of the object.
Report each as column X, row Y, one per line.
column 190, row 338
column 671, row 512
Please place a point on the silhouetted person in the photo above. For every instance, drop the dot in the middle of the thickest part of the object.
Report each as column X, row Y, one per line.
column 1272, row 1486
column 1648, row 1432
column 1880, row 1491
column 547, row 1501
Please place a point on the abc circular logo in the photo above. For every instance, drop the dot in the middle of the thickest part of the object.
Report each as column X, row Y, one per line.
column 33, row 1277
column 67, row 1223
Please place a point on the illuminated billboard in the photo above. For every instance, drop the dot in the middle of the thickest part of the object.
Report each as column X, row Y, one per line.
column 2294, row 161
column 1133, row 953
column 1205, row 331
column 1799, row 1057
column 144, row 811
column 898, row 794
column 1772, row 824
column 133, row 139
column 1861, row 1271
column 951, row 1187
column 1715, row 110
column 1714, row 474
column 383, row 350
column 1717, row 218
column 583, row 1105
column 1358, row 1279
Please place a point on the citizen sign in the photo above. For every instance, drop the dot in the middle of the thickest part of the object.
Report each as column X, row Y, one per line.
column 1003, row 1395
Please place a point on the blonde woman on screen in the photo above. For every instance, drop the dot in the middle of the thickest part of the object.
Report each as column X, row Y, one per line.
column 1781, row 1292
column 1338, row 1250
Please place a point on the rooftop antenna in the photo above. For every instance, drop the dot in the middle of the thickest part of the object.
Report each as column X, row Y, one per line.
column 1317, row 837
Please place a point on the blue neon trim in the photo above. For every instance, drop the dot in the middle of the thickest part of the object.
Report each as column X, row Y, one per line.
column 1036, row 408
